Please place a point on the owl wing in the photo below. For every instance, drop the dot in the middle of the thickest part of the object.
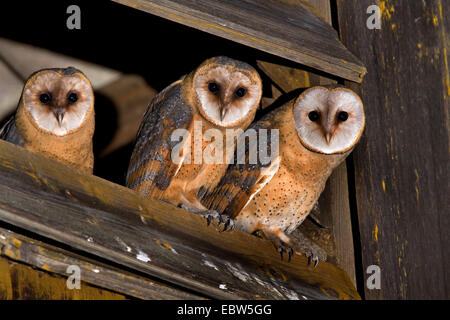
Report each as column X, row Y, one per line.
column 242, row 181
column 10, row 133
column 151, row 168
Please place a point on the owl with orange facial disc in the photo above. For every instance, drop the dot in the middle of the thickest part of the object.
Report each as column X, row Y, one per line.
column 55, row 117
column 316, row 132
column 221, row 94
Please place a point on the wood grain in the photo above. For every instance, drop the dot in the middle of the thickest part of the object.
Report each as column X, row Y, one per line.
column 402, row 162
column 152, row 237
column 51, row 259
column 22, row 282
column 290, row 31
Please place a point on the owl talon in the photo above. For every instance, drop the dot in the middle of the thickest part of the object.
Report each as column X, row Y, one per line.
column 208, row 220
column 210, row 215
column 286, row 249
column 313, row 258
column 229, row 225
column 259, row 234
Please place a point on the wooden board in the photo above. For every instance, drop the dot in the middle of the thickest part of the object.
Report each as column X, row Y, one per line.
column 22, row 282
column 402, row 162
column 152, row 237
column 291, row 31
column 55, row 260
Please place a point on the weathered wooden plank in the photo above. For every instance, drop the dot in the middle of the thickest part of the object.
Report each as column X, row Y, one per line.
column 10, row 90
column 287, row 30
column 334, row 206
column 26, row 59
column 22, row 282
column 323, row 9
column 153, row 237
column 56, row 260
column 402, row 162
column 286, row 78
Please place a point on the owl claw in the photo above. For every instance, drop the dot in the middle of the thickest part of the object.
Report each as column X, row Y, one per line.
column 313, row 258
column 208, row 220
column 291, row 253
column 229, row 225
column 282, row 249
column 210, row 215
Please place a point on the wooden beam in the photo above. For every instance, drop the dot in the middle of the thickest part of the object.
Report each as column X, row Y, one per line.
column 19, row 281
column 402, row 161
column 152, row 237
column 56, row 260
column 290, row 31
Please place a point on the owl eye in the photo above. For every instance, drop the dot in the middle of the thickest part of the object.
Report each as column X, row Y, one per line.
column 314, row 116
column 45, row 98
column 342, row 116
column 213, row 87
column 72, row 97
column 240, row 92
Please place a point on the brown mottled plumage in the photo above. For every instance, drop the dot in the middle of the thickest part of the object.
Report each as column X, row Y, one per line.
column 220, row 94
column 55, row 117
column 316, row 133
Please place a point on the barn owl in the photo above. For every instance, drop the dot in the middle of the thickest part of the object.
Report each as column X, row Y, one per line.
column 316, row 132
column 55, row 117
column 221, row 94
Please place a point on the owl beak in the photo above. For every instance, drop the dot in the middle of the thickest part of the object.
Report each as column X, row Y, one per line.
column 328, row 132
column 59, row 114
column 223, row 112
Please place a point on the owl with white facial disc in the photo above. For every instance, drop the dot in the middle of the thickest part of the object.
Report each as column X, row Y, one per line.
column 220, row 94
column 55, row 117
column 317, row 131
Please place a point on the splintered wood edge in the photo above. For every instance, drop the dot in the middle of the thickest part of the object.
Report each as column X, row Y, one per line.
column 51, row 176
column 353, row 71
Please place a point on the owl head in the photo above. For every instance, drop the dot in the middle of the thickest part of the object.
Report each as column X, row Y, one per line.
column 58, row 100
column 228, row 91
column 329, row 121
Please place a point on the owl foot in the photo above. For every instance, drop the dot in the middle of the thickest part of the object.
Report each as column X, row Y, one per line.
column 209, row 215
column 281, row 246
column 228, row 223
column 286, row 245
column 311, row 250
